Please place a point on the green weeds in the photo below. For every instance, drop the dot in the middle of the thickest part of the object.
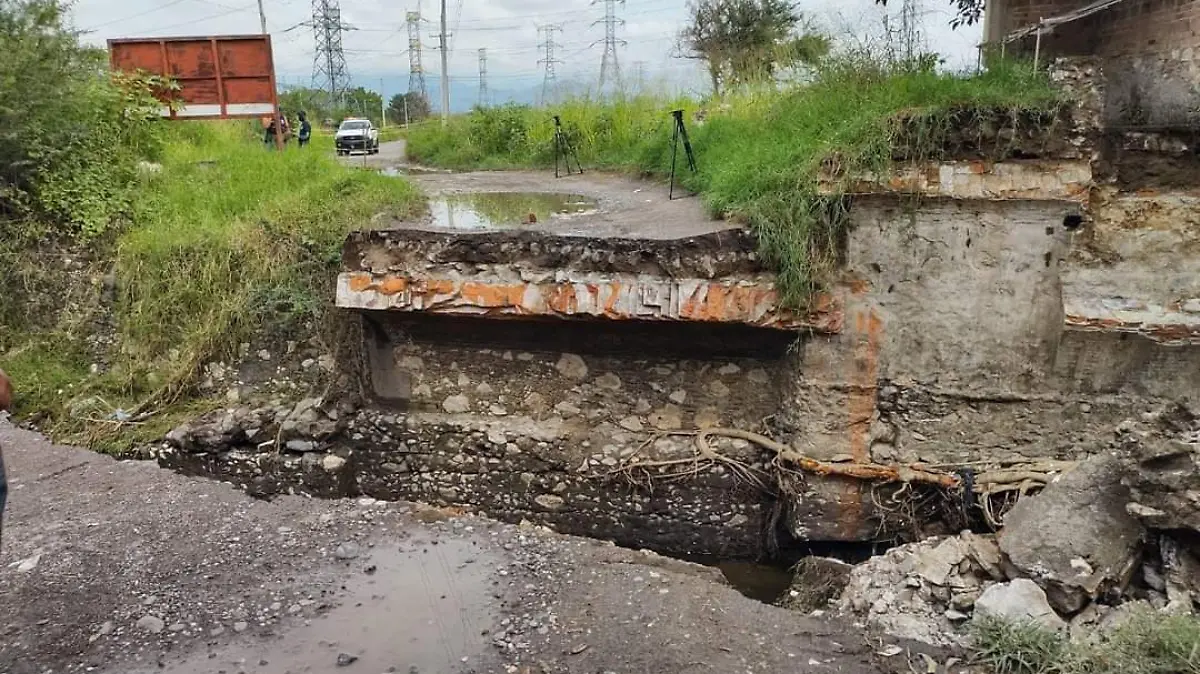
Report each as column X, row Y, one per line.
column 226, row 240
column 1146, row 643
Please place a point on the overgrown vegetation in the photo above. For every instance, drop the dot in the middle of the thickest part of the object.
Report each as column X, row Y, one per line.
column 226, row 240
column 1147, row 643
column 134, row 250
column 762, row 150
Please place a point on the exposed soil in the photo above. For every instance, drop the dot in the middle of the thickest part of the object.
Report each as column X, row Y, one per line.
column 123, row 567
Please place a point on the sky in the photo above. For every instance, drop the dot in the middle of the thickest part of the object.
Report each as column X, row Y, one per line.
column 377, row 46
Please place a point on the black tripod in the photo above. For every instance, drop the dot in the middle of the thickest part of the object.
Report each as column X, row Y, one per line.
column 680, row 132
column 562, row 148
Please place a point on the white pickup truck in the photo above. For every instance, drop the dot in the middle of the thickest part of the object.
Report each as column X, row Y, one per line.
column 356, row 134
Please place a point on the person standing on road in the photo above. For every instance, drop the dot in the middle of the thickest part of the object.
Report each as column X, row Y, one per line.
column 5, row 403
column 305, row 130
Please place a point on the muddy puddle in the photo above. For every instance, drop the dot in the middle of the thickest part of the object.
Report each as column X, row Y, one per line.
column 505, row 210
column 762, row 582
column 423, row 608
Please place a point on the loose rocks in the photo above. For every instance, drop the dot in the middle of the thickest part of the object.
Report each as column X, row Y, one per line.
column 1020, row 600
column 1075, row 538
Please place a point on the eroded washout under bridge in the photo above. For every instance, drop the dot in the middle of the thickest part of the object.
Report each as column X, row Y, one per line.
column 626, row 370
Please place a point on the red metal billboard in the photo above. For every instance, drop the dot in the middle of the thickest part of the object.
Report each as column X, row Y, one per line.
column 220, row 77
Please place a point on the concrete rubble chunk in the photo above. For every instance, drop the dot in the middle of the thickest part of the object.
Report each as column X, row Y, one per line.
column 457, row 404
column 1020, row 600
column 572, row 366
column 1075, row 538
column 936, row 565
column 985, row 553
column 667, row 418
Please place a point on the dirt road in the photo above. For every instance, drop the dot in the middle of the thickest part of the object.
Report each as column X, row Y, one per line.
column 118, row 567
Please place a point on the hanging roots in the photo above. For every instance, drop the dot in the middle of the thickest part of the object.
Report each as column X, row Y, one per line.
column 1006, row 483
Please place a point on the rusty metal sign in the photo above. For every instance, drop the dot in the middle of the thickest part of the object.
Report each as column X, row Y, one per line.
column 220, row 77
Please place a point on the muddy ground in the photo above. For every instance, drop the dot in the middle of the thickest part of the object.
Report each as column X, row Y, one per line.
column 123, row 567
column 628, row 208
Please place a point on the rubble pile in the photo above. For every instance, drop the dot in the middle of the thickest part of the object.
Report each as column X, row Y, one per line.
column 1118, row 534
column 925, row 590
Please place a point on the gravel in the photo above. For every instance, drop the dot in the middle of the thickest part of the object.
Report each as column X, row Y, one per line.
column 145, row 570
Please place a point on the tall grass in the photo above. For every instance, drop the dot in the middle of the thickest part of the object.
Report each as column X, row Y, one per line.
column 226, row 240
column 1147, row 642
column 760, row 150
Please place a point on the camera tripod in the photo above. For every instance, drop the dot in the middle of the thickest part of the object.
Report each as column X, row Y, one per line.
column 680, row 132
column 562, row 148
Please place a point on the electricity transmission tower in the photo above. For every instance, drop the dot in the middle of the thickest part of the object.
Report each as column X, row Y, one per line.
column 549, row 79
column 639, row 75
column 610, row 68
column 483, row 88
column 329, row 60
column 416, row 71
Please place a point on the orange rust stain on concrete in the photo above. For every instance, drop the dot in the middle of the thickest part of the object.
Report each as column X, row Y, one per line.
column 561, row 299
column 436, row 287
column 360, row 282
column 610, row 307
column 393, row 285
column 860, row 403
column 489, row 295
column 980, row 167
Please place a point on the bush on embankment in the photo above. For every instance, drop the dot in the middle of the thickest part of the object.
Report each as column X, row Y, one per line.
column 225, row 240
column 135, row 249
column 759, row 152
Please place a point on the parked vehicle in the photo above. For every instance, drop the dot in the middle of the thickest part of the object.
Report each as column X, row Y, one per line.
column 356, row 134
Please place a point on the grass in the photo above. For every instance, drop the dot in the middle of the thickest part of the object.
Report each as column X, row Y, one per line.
column 226, row 241
column 1147, row 643
column 760, row 151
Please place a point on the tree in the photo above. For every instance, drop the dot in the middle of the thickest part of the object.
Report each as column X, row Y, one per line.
column 417, row 109
column 313, row 102
column 746, row 40
column 968, row 12
column 360, row 102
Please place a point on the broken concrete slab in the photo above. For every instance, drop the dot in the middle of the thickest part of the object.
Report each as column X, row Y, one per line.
column 1075, row 538
column 1020, row 600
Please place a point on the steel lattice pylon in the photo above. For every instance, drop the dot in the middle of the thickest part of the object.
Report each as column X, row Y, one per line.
column 329, row 60
column 610, row 68
column 416, row 70
column 550, row 78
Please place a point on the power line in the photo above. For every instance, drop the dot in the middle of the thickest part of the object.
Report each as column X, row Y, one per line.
column 549, row 78
column 483, row 84
column 329, row 59
column 416, row 70
column 609, row 66
column 139, row 14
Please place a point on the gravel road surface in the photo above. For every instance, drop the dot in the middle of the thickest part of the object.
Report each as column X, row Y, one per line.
column 118, row 567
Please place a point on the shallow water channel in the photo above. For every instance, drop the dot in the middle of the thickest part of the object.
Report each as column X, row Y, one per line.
column 504, row 210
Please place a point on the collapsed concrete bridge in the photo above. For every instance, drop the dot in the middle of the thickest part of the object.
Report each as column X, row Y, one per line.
column 988, row 309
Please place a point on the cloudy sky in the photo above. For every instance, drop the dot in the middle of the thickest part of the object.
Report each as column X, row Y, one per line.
column 376, row 50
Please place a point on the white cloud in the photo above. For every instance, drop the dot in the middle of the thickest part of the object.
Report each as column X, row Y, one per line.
column 507, row 28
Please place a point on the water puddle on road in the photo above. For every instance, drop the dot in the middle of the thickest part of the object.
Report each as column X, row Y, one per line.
column 422, row 608
column 505, row 210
